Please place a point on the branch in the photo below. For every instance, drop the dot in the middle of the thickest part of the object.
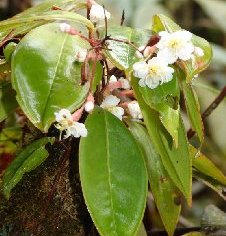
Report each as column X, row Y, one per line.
column 209, row 110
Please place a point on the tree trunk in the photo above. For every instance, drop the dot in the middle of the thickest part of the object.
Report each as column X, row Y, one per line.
column 48, row 200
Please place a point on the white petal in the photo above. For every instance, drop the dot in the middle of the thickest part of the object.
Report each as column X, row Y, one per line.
column 186, row 52
column 140, row 69
column 112, row 79
column 62, row 115
column 110, row 101
column 118, row 112
column 78, row 130
column 134, row 110
column 125, row 83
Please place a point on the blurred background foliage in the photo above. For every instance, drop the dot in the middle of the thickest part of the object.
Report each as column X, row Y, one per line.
column 206, row 18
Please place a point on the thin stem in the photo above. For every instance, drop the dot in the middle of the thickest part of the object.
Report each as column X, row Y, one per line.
column 209, row 110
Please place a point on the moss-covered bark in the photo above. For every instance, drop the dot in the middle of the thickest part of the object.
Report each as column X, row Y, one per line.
column 48, row 201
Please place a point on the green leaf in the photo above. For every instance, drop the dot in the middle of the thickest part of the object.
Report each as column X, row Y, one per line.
column 42, row 14
column 8, row 50
column 121, row 54
column 191, row 68
column 113, row 175
column 164, row 99
column 27, row 160
column 211, row 183
column 176, row 161
column 163, row 189
column 8, row 102
column 45, row 75
column 206, row 166
column 193, row 109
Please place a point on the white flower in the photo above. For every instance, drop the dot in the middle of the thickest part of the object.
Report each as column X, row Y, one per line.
column 134, row 110
column 153, row 73
column 145, row 50
column 98, row 13
column 76, row 129
column 176, row 45
column 125, row 83
column 110, row 103
column 198, row 52
column 81, row 55
column 62, row 115
column 66, row 123
column 89, row 106
column 64, row 27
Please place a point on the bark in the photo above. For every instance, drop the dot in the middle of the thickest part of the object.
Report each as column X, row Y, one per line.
column 48, row 200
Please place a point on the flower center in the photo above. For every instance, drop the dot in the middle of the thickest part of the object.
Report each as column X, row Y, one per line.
column 154, row 71
column 175, row 43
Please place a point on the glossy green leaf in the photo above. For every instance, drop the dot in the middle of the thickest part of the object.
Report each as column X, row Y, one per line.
column 45, row 74
column 193, row 109
column 8, row 101
column 27, row 160
column 164, row 99
column 176, row 161
column 206, row 166
column 163, row 189
column 42, row 14
column 122, row 55
column 191, row 68
column 113, row 175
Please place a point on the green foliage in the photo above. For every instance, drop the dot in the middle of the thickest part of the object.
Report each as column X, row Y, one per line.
column 163, row 189
column 26, row 161
column 7, row 103
column 122, row 55
column 115, row 166
column 50, row 66
column 116, row 161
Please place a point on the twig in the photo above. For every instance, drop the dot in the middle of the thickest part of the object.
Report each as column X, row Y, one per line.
column 209, row 110
column 122, row 18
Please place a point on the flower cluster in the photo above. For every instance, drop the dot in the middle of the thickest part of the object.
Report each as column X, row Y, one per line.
column 66, row 123
column 170, row 48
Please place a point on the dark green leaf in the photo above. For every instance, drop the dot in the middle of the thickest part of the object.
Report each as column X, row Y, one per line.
column 122, row 55
column 113, row 175
column 27, row 160
column 45, row 75
column 163, row 189
column 176, row 161
column 8, row 50
column 42, row 14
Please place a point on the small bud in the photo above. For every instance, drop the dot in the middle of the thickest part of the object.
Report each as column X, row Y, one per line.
column 81, row 55
column 112, row 79
column 89, row 106
column 98, row 13
column 198, row 52
column 64, row 27
column 125, row 83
